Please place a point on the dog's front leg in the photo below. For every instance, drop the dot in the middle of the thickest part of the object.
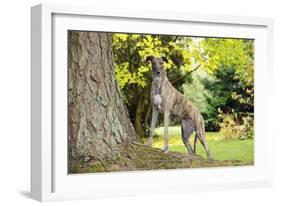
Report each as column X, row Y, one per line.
column 166, row 137
column 152, row 128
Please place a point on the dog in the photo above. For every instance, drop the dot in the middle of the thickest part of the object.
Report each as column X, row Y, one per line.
column 166, row 99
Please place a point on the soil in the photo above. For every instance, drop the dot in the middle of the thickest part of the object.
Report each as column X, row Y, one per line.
column 139, row 157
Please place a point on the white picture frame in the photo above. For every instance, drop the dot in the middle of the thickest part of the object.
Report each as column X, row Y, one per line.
column 49, row 178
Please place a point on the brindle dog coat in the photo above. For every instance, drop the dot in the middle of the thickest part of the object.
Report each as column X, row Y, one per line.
column 166, row 99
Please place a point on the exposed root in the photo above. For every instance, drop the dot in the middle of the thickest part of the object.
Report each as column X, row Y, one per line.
column 139, row 157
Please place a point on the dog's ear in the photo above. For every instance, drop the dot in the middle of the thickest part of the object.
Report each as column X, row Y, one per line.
column 165, row 59
column 149, row 58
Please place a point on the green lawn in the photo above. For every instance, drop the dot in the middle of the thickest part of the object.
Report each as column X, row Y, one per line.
column 242, row 150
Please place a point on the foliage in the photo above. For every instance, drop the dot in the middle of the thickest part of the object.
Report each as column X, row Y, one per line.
column 232, row 86
column 191, row 88
column 220, row 96
column 132, row 49
column 133, row 73
column 201, row 96
column 212, row 72
column 234, row 126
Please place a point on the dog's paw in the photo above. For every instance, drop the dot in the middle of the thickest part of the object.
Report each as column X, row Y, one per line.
column 165, row 150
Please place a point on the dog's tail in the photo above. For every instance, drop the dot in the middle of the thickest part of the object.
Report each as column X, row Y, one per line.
column 203, row 125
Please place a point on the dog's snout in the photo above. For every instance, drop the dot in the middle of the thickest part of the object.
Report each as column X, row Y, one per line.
column 158, row 73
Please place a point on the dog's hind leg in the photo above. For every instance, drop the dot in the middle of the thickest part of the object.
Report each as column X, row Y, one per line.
column 200, row 133
column 203, row 142
column 187, row 127
column 195, row 142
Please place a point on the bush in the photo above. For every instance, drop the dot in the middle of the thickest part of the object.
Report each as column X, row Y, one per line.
column 236, row 126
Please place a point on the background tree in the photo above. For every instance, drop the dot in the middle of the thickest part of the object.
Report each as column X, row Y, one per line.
column 98, row 119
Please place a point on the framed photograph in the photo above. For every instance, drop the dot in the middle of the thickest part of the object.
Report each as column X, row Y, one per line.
column 137, row 102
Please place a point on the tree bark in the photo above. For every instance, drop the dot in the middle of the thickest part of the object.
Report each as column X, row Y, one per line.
column 138, row 123
column 141, row 109
column 147, row 118
column 98, row 122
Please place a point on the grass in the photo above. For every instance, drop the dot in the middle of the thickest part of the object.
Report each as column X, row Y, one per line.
column 220, row 149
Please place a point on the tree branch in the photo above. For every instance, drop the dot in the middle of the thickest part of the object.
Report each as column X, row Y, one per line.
column 188, row 73
column 128, row 59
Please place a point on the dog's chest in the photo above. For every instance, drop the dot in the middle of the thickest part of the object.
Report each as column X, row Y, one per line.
column 158, row 102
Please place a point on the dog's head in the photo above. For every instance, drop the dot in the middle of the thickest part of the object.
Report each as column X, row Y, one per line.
column 157, row 65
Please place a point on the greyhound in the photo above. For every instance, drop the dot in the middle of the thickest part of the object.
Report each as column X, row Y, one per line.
column 166, row 99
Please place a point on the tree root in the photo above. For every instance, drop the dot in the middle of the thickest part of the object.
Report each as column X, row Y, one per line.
column 137, row 156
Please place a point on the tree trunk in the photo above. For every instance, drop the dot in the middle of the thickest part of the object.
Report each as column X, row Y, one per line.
column 147, row 118
column 98, row 122
column 142, row 105
column 138, row 123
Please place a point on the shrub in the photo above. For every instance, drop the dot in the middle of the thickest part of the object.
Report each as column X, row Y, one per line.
column 236, row 126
